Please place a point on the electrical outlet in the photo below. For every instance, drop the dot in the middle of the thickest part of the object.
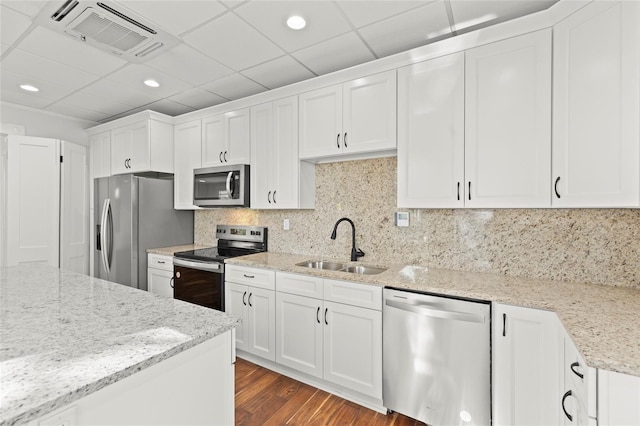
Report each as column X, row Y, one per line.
column 402, row 219
column 285, row 224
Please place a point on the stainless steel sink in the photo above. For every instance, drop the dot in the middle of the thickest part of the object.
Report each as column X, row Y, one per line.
column 363, row 270
column 341, row 267
column 321, row 264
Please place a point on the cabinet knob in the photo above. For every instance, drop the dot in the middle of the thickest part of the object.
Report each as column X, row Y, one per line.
column 564, row 397
column 573, row 368
column 555, row 187
column 345, row 139
column 274, row 197
column 220, row 156
column 225, row 156
column 269, row 197
column 338, row 140
column 244, row 301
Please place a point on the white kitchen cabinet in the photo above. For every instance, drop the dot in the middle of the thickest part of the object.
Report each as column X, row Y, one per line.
column 508, row 122
column 249, row 293
column 160, row 274
column 578, row 401
column 618, row 399
column 352, row 118
column 526, row 367
column 596, row 108
column 226, row 138
column 100, row 151
column 143, row 146
column 187, row 157
column 431, row 133
column 279, row 180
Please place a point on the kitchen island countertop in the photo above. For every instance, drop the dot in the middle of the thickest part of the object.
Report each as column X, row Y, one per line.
column 66, row 335
column 601, row 320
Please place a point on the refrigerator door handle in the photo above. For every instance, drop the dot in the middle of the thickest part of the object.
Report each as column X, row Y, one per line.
column 110, row 232
column 105, row 239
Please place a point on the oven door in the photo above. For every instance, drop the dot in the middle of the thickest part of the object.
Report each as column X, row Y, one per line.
column 201, row 283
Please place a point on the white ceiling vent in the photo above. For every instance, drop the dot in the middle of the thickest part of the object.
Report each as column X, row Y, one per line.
column 108, row 27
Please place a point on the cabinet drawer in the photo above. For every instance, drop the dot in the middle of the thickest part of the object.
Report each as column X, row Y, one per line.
column 356, row 294
column 262, row 278
column 160, row 261
column 302, row 285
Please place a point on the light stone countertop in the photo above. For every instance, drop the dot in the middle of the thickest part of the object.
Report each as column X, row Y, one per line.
column 169, row 251
column 601, row 320
column 64, row 335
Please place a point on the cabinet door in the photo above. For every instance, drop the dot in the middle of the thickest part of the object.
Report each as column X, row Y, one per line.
column 283, row 156
column 596, row 133
column 321, row 122
column 213, row 144
column 159, row 282
column 262, row 152
column 431, row 133
column 262, row 323
column 100, row 151
column 299, row 333
column 527, row 378
column 237, row 137
column 235, row 296
column 140, row 159
column 353, row 348
column 618, row 396
column 369, row 113
column 121, row 140
column 508, row 123
column 187, row 156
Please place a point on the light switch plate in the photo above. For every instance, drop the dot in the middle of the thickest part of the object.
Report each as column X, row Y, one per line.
column 402, row 219
column 285, row 224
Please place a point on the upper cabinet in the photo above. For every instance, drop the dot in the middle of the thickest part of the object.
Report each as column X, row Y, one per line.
column 226, row 138
column 144, row 146
column 508, row 122
column 596, row 87
column 100, row 148
column 279, row 180
column 187, row 157
column 475, row 127
column 349, row 119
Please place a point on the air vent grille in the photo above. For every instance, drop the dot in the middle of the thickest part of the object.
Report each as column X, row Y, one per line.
column 93, row 25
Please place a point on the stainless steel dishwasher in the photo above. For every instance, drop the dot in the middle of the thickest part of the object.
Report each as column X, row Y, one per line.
column 437, row 358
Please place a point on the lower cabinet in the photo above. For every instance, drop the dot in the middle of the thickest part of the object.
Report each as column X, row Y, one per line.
column 618, row 399
column 579, row 393
column 527, row 379
column 160, row 274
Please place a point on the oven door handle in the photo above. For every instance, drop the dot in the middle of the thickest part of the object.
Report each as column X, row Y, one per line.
column 201, row 266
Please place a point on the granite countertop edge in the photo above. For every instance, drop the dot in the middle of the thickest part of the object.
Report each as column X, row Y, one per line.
column 572, row 302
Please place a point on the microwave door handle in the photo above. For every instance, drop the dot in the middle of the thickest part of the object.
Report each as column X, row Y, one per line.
column 229, row 176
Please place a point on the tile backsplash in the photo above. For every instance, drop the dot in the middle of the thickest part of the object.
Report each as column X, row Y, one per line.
column 587, row 245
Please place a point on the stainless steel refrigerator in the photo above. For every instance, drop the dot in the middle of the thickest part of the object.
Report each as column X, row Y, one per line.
column 133, row 214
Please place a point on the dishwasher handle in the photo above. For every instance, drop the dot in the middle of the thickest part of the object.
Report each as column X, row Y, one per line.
column 428, row 310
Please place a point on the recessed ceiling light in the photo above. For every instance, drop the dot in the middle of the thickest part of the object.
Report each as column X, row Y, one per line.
column 29, row 88
column 152, row 83
column 296, row 22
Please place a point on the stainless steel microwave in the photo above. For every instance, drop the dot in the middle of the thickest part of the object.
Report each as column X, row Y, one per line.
column 221, row 186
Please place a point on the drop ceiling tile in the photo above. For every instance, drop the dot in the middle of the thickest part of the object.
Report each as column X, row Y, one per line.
column 12, row 24
column 114, row 91
column 176, row 17
column 408, row 30
column 168, row 107
column 279, row 72
column 362, row 13
column 471, row 14
column 324, row 21
column 197, row 98
column 34, row 66
column 189, row 65
column 82, row 99
column 73, row 111
column 30, row 8
column 10, row 90
column 234, row 86
column 233, row 42
column 70, row 51
column 3, row 48
column 335, row 54
column 134, row 75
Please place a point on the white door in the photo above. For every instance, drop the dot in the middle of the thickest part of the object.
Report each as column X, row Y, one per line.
column 262, row 152
column 596, row 129
column 353, row 348
column 121, row 140
column 213, row 143
column 283, row 155
column 140, row 147
column 187, row 156
column 431, row 133
column 100, row 151
column 369, row 113
column 159, row 282
column 321, row 122
column 527, row 375
column 237, row 137
column 508, row 122
column 299, row 333
column 235, row 296
column 74, row 208
column 33, row 200
column 262, row 323
column 618, row 396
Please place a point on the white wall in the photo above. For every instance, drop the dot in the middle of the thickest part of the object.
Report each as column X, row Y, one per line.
column 46, row 124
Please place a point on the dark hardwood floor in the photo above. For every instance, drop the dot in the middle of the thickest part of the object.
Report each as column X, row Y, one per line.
column 264, row 397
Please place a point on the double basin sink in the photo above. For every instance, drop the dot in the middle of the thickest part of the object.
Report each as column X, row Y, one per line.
column 342, row 267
